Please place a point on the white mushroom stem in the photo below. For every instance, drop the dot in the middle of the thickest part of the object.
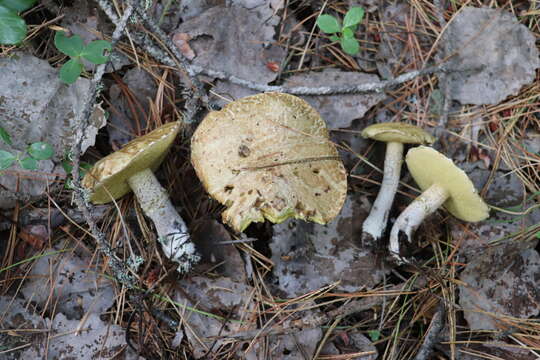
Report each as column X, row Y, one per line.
column 374, row 225
column 171, row 228
column 409, row 220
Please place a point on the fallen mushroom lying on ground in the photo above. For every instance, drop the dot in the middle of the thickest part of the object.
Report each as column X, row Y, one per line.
column 132, row 169
column 395, row 135
column 442, row 183
column 269, row 156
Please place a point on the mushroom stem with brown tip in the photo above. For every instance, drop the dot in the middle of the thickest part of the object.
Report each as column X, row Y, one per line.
column 170, row 227
column 409, row 220
column 395, row 135
column 442, row 182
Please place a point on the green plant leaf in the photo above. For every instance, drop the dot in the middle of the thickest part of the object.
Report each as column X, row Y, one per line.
column 12, row 27
column 374, row 335
column 68, row 168
column 328, row 24
column 70, row 71
column 5, row 136
column 537, row 235
column 6, row 159
column 348, row 33
column 94, row 51
column 353, row 17
column 72, row 46
column 334, row 37
column 18, row 5
column 28, row 163
column 40, row 151
column 350, row 46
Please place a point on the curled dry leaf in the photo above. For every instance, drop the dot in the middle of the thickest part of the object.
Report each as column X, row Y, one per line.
column 268, row 156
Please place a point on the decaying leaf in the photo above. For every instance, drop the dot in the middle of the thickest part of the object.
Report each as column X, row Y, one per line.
column 338, row 110
column 67, row 284
column 130, row 106
column 298, row 346
column 505, row 191
column 492, row 39
column 223, row 296
column 268, row 156
column 309, row 256
column 498, row 284
column 36, row 106
column 85, row 340
column 235, row 40
column 50, row 113
column 17, row 322
column 223, row 259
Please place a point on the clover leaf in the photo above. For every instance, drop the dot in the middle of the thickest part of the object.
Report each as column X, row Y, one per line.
column 12, row 26
column 40, row 151
column 6, row 159
column 5, row 136
column 28, row 163
column 75, row 48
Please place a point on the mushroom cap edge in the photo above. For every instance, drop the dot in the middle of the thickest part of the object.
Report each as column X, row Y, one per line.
column 428, row 166
column 109, row 175
column 398, row 132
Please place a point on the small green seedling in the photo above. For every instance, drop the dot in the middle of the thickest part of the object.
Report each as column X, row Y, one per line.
column 12, row 26
column 343, row 33
column 74, row 48
column 374, row 335
column 28, row 159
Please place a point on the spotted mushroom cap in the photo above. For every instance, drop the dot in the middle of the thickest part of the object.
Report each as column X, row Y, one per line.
column 398, row 132
column 109, row 175
column 428, row 166
column 269, row 156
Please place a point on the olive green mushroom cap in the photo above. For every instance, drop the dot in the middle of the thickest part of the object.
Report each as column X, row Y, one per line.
column 107, row 179
column 428, row 166
column 398, row 132
column 269, row 156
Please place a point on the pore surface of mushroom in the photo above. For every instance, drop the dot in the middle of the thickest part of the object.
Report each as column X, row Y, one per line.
column 132, row 169
column 269, row 156
column 395, row 135
column 442, row 183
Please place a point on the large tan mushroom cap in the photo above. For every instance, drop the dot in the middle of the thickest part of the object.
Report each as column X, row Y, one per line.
column 427, row 166
column 268, row 156
column 398, row 132
column 109, row 175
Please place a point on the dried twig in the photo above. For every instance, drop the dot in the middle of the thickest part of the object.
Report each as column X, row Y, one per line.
column 364, row 88
column 198, row 94
column 119, row 269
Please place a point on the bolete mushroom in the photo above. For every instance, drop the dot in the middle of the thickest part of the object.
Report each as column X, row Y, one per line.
column 442, row 182
column 395, row 135
column 269, row 156
column 132, row 169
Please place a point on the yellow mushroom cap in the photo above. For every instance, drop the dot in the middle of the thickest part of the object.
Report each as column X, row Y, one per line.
column 398, row 132
column 109, row 175
column 428, row 166
column 269, row 156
